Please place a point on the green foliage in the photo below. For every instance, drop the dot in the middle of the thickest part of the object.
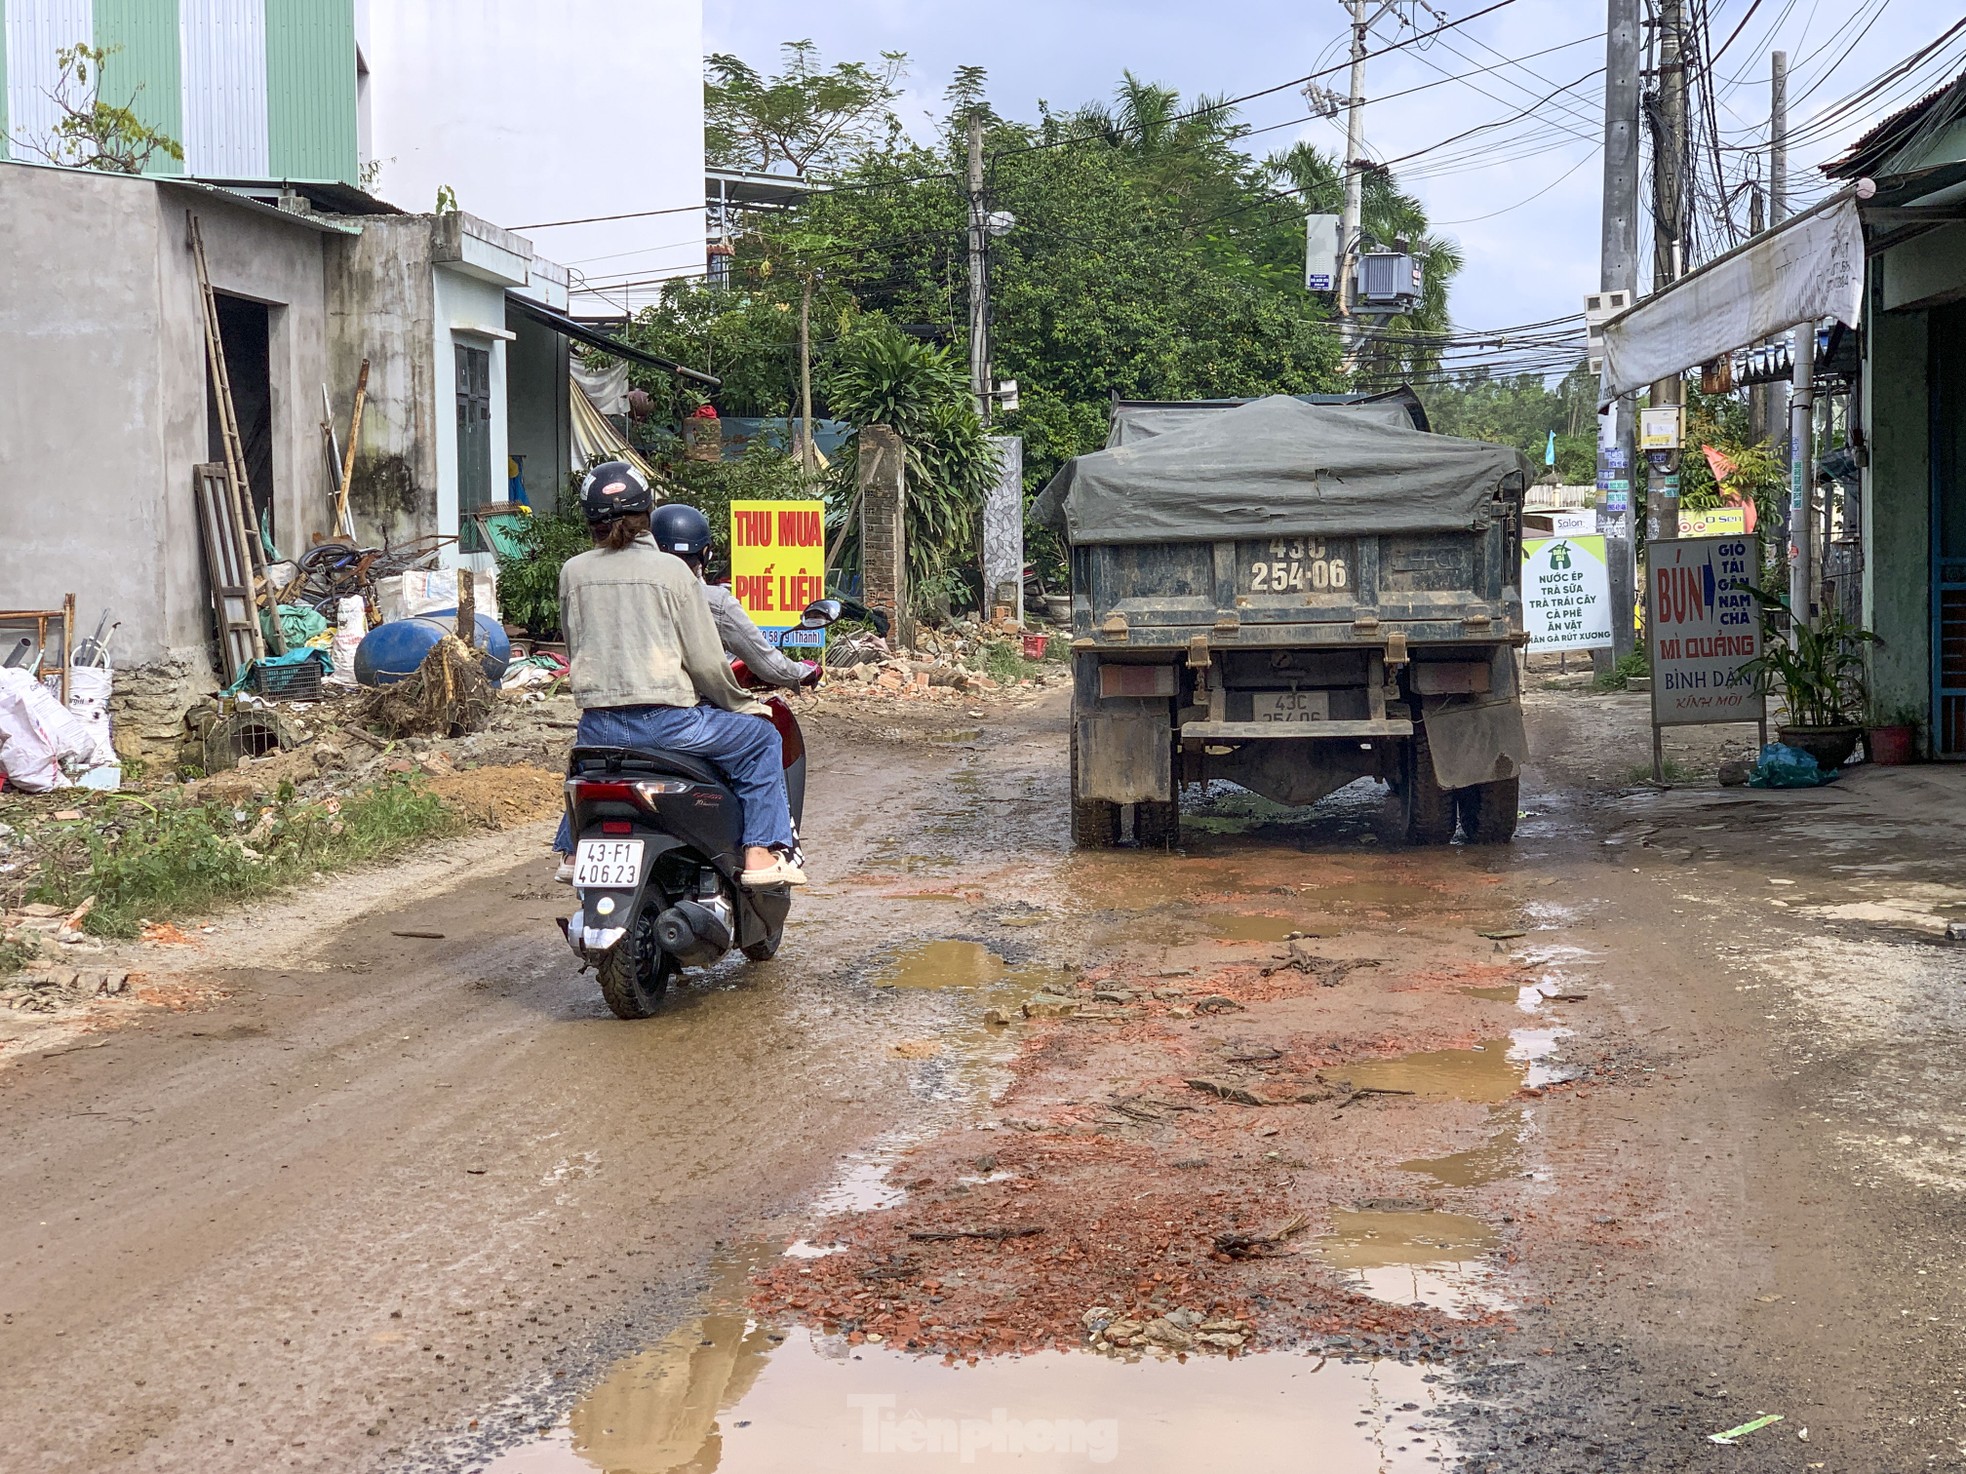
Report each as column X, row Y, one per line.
column 174, row 858
column 1632, row 663
column 765, row 472
column 1820, row 675
column 1003, row 661
column 90, row 133
column 884, row 377
column 807, row 117
column 1760, row 475
column 748, row 337
column 1149, row 257
column 14, row 955
column 1522, row 411
column 529, row 580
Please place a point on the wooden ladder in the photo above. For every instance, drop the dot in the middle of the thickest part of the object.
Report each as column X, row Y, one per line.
column 240, row 497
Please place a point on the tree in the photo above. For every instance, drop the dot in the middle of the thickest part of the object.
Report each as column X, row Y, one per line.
column 91, row 133
column 884, row 377
column 808, row 116
column 1523, row 411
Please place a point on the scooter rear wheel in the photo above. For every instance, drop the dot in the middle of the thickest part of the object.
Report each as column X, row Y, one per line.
column 765, row 950
column 635, row 972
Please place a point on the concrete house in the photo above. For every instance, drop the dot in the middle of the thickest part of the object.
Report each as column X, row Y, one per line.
column 105, row 404
column 1914, row 411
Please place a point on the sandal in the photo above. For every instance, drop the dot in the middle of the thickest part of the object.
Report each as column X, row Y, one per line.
column 779, row 872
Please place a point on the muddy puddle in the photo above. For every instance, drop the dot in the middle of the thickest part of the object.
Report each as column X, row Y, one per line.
column 1491, row 1071
column 1413, row 1257
column 728, row 1393
column 1500, row 1157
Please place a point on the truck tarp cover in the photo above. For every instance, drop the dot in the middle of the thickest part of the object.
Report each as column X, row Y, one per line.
column 1278, row 466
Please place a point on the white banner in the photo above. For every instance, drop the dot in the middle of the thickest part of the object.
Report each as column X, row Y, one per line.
column 1809, row 269
column 1566, row 594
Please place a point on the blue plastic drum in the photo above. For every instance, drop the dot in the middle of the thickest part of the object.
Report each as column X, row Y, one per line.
column 394, row 650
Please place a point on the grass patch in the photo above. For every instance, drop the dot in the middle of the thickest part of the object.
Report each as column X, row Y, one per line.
column 1676, row 773
column 15, row 955
column 170, row 859
column 1004, row 663
column 1616, row 678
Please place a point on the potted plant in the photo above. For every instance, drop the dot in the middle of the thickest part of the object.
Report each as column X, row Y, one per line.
column 1893, row 741
column 1820, row 676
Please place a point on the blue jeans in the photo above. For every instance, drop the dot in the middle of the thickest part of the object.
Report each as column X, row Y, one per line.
column 745, row 749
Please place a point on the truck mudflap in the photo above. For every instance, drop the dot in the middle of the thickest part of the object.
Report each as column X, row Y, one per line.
column 1478, row 738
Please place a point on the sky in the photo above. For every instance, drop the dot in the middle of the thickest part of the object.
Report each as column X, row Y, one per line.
column 1523, row 200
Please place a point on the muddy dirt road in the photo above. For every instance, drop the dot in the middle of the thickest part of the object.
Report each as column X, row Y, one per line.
column 1558, row 1157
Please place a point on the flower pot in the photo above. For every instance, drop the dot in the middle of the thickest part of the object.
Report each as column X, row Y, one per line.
column 1058, row 607
column 1829, row 746
column 1891, row 747
column 1035, row 646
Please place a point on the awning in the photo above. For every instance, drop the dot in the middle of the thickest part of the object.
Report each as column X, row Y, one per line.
column 559, row 322
column 1807, row 269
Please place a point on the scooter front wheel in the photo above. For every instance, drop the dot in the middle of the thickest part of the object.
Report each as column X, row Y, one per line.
column 635, row 972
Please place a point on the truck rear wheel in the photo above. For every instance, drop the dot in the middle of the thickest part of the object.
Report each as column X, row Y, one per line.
column 1426, row 809
column 1095, row 823
column 1488, row 810
column 1157, row 826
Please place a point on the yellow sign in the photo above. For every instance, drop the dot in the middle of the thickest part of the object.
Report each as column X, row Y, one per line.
column 1718, row 522
column 777, row 559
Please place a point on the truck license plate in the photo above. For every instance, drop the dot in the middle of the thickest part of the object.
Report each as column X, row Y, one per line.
column 607, row 864
column 1296, row 566
column 1292, row 706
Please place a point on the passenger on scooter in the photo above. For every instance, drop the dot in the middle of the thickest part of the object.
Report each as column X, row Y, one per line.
column 685, row 532
column 649, row 671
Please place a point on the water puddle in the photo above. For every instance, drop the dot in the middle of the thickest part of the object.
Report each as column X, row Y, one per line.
column 1491, row 1072
column 1510, row 994
column 727, row 1393
column 1500, row 1158
column 1412, row 1258
column 941, row 965
column 1260, row 928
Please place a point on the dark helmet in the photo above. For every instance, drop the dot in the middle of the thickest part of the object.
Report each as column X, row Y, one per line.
column 683, row 531
column 612, row 491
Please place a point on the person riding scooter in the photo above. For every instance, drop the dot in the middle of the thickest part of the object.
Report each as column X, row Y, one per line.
column 648, row 670
column 685, row 532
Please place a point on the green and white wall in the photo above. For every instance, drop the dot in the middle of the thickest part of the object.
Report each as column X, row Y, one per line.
column 252, row 89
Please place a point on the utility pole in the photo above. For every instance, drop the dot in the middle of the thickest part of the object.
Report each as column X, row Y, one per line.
column 1668, row 245
column 1760, row 426
column 1350, row 222
column 1618, row 272
column 979, row 274
column 1778, row 211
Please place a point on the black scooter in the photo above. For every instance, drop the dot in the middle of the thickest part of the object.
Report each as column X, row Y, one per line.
column 657, row 855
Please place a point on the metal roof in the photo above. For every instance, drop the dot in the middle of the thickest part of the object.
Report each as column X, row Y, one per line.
column 1868, row 155
column 559, row 322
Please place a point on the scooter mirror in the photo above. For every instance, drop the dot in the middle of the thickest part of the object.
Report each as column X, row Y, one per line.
column 820, row 613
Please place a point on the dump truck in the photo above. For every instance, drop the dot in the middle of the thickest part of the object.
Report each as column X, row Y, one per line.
column 1291, row 596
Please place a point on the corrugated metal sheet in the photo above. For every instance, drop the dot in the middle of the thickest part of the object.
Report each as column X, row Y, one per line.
column 144, row 72
column 223, row 59
column 36, row 30
column 310, row 84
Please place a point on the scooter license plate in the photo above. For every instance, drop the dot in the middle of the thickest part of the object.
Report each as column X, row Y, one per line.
column 607, row 864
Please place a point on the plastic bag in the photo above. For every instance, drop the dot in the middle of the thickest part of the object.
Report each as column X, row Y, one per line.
column 1781, row 766
column 38, row 734
column 351, row 622
column 88, row 703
